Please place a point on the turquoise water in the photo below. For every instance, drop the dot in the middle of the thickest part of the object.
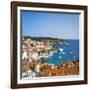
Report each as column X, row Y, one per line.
column 69, row 52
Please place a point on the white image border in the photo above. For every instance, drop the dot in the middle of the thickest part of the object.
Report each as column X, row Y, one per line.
column 81, row 50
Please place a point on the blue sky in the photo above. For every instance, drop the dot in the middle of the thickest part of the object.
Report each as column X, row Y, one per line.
column 43, row 24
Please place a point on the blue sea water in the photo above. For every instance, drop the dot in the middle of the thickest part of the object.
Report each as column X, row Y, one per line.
column 70, row 52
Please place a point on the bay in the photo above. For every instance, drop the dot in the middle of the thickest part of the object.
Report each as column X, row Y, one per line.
column 66, row 52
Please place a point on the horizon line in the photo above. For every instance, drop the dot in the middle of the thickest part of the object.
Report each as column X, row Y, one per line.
column 52, row 37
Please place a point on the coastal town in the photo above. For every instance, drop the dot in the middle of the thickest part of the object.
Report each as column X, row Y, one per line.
column 35, row 62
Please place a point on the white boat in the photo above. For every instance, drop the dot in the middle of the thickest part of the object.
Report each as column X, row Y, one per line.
column 61, row 49
column 70, row 52
column 60, row 56
column 63, row 52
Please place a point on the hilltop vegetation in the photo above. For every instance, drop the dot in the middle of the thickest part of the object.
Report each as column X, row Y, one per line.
column 49, row 39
